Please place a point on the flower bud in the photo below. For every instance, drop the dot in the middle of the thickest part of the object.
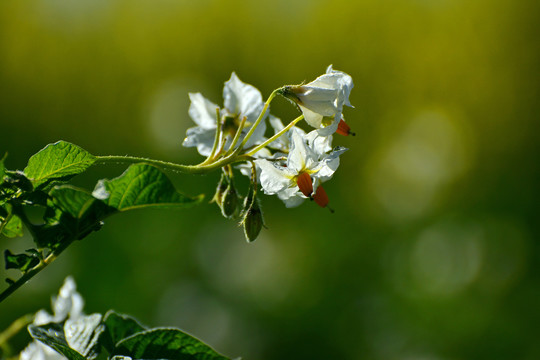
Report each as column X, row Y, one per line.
column 226, row 197
column 229, row 205
column 253, row 220
column 221, row 187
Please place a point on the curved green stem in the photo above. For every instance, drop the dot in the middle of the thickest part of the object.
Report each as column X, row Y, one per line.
column 189, row 169
column 276, row 136
column 261, row 116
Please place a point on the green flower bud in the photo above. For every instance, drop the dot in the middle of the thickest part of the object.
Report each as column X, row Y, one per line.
column 253, row 220
column 229, row 205
column 221, row 187
column 226, row 197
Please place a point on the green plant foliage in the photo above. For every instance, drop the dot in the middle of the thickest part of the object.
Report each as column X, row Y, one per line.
column 15, row 185
column 12, row 227
column 72, row 213
column 76, row 211
column 23, row 262
column 119, row 336
column 140, row 186
column 170, row 344
column 59, row 161
column 117, row 327
column 82, row 334
column 5, row 214
column 53, row 335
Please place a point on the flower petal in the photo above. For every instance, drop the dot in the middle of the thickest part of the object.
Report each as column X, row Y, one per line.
column 200, row 137
column 318, row 99
column 345, row 83
column 291, row 197
column 202, row 111
column 319, row 144
column 242, row 99
column 296, row 161
column 312, row 118
column 273, row 179
column 329, row 164
column 330, row 129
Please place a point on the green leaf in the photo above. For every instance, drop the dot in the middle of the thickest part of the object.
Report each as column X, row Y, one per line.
column 71, row 214
column 141, row 186
column 170, row 344
column 22, row 262
column 13, row 227
column 14, row 185
column 117, row 327
column 82, row 334
column 53, row 335
column 79, row 203
column 5, row 214
column 59, row 161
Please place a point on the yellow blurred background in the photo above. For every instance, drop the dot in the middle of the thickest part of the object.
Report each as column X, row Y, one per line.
column 433, row 251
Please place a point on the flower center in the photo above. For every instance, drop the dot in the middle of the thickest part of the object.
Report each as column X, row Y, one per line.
column 327, row 120
column 231, row 123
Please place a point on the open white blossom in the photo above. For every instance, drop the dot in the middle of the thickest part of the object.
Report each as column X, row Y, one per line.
column 240, row 100
column 299, row 177
column 322, row 100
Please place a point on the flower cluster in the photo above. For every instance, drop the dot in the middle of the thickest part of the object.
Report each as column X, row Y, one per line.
column 291, row 163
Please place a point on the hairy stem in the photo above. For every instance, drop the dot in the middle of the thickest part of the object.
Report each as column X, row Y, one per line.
column 189, row 169
column 261, row 116
column 276, row 136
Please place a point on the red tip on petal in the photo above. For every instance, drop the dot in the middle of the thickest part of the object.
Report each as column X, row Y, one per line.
column 320, row 197
column 343, row 128
column 304, row 184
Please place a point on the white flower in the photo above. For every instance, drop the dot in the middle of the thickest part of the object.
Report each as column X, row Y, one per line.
column 322, row 100
column 303, row 172
column 240, row 100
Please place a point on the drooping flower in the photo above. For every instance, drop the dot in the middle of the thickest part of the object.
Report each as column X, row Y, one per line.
column 321, row 101
column 240, row 100
column 301, row 175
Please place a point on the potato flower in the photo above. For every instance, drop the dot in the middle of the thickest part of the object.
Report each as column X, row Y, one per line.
column 240, row 100
column 300, row 176
column 321, row 101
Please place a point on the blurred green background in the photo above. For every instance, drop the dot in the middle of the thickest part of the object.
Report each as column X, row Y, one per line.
column 433, row 251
